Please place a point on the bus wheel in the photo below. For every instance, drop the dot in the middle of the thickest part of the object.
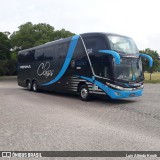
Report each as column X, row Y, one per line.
column 84, row 93
column 29, row 85
column 34, row 86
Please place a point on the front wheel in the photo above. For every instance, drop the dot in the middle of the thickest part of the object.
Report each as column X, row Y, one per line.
column 84, row 93
column 34, row 86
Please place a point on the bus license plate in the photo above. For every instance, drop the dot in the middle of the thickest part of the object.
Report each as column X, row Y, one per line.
column 132, row 95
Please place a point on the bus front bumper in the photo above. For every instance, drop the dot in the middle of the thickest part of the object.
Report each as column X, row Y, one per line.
column 118, row 94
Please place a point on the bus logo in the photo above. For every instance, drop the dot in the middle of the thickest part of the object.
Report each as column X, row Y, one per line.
column 44, row 70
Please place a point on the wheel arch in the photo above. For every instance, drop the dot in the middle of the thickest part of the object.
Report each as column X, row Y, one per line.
column 26, row 81
column 80, row 84
column 33, row 80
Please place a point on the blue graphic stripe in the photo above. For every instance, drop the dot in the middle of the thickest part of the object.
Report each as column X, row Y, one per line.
column 112, row 92
column 71, row 49
column 149, row 58
column 113, row 53
column 99, row 84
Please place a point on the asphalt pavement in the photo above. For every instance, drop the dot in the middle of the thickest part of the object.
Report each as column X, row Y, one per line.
column 59, row 122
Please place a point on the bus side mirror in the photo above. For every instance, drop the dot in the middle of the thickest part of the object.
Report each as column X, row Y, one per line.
column 149, row 59
column 113, row 53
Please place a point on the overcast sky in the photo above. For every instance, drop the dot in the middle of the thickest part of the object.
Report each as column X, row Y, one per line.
column 139, row 19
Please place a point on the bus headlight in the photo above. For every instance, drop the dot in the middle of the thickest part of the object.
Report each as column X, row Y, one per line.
column 115, row 86
column 121, row 88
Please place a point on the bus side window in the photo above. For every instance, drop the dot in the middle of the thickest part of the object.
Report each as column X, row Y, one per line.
column 61, row 50
column 39, row 55
column 93, row 44
column 21, row 57
column 49, row 53
column 65, row 49
column 26, row 56
column 80, row 50
column 30, row 56
column 100, row 44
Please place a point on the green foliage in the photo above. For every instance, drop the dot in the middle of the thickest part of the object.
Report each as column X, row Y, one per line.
column 62, row 34
column 8, row 59
column 30, row 35
column 8, row 67
column 155, row 77
column 11, row 67
column 4, row 46
column 14, row 55
column 156, row 62
column 3, row 69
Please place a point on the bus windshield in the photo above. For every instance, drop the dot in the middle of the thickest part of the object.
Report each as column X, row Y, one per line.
column 122, row 44
column 128, row 70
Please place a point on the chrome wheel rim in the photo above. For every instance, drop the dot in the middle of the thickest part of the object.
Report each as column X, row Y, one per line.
column 34, row 87
column 84, row 93
column 29, row 86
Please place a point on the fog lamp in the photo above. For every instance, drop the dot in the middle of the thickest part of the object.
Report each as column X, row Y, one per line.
column 117, row 93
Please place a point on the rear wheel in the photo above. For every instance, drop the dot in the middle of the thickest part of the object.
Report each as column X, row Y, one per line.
column 84, row 93
column 34, row 86
column 29, row 85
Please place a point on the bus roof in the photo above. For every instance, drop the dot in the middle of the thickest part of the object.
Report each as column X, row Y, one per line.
column 58, row 41
column 100, row 33
column 83, row 35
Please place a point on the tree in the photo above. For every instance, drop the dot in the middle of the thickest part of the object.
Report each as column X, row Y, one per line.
column 27, row 36
column 156, row 63
column 30, row 35
column 62, row 34
column 4, row 46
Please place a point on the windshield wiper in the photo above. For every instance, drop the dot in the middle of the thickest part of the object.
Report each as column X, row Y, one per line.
column 119, row 51
column 121, row 80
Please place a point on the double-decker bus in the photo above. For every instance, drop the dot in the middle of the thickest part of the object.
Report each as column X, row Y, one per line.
column 90, row 63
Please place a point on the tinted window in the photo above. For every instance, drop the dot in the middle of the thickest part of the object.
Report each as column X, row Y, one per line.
column 79, row 50
column 101, row 64
column 39, row 55
column 30, row 56
column 61, row 50
column 26, row 56
column 49, row 53
column 95, row 43
column 21, row 57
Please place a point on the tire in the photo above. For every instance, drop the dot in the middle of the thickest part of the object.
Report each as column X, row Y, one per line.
column 84, row 93
column 29, row 85
column 35, row 86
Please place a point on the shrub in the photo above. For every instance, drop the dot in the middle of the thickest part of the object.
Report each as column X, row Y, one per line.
column 8, row 67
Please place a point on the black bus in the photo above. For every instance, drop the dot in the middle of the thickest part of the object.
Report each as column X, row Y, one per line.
column 90, row 63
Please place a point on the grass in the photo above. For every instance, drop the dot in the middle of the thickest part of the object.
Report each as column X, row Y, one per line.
column 155, row 77
column 7, row 77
